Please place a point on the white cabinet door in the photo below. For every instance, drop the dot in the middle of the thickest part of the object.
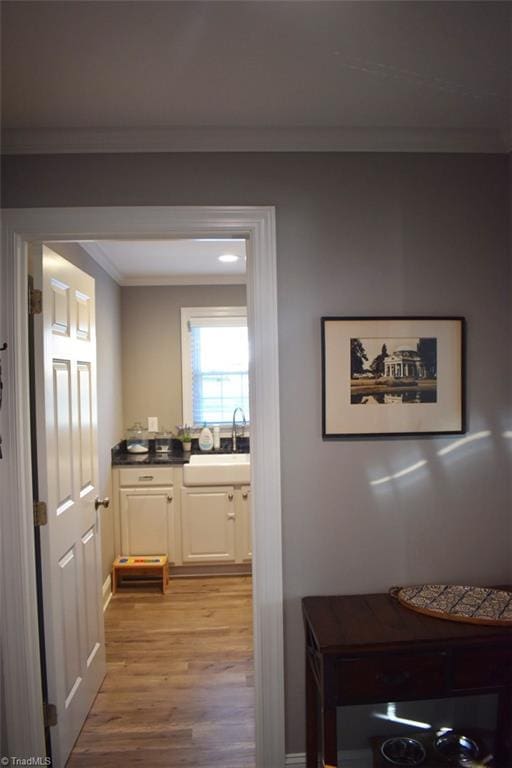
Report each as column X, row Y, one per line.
column 146, row 521
column 243, row 522
column 208, row 525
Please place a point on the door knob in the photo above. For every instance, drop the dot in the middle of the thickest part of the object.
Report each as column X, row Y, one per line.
column 101, row 502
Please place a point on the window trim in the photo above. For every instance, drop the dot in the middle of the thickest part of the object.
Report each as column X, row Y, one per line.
column 187, row 314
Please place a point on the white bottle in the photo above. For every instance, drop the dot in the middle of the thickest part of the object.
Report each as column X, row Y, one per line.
column 216, row 438
column 205, row 439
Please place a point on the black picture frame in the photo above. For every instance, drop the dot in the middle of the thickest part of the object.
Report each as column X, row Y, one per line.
column 393, row 376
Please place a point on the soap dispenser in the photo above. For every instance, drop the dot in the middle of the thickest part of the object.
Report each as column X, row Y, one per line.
column 205, row 439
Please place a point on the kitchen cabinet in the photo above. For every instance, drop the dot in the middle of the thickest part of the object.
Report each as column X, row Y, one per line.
column 243, row 524
column 156, row 514
column 215, row 524
column 146, row 519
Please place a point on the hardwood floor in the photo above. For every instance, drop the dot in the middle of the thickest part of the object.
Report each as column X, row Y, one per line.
column 179, row 685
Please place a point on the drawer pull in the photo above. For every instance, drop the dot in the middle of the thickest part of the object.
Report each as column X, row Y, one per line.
column 393, row 678
column 169, row 498
column 245, row 495
column 146, row 477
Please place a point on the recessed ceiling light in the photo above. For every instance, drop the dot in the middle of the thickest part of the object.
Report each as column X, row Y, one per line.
column 228, row 257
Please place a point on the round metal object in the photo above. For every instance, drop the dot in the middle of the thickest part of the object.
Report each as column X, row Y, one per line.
column 456, row 748
column 401, row 750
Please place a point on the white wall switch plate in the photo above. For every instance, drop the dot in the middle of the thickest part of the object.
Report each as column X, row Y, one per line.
column 152, row 423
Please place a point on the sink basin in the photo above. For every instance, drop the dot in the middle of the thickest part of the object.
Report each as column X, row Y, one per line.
column 220, row 458
column 220, row 469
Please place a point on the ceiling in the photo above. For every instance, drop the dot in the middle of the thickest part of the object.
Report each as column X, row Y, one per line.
column 170, row 262
column 141, row 75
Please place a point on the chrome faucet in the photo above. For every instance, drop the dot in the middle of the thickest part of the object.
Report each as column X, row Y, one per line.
column 233, row 433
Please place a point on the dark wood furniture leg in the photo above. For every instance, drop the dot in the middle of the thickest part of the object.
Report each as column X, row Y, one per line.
column 312, row 701
column 504, row 728
column 330, row 740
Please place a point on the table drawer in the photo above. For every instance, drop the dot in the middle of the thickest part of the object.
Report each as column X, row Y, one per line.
column 145, row 476
column 391, row 677
column 482, row 668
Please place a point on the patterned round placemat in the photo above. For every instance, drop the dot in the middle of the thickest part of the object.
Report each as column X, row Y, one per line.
column 474, row 605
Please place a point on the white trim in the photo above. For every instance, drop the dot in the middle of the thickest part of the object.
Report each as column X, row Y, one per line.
column 185, row 280
column 23, row 141
column 297, row 759
column 96, row 252
column 106, row 592
column 354, row 758
column 20, row 633
column 19, row 643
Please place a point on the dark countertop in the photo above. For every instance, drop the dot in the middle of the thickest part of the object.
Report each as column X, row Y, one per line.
column 153, row 459
column 122, row 458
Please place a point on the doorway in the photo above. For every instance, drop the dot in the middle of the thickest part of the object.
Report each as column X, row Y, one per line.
column 20, row 660
column 179, row 665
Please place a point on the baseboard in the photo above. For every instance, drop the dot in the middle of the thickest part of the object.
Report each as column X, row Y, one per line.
column 106, row 592
column 297, row 759
column 201, row 570
column 354, row 758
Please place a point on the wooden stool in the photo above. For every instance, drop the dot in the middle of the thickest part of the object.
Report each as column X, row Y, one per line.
column 140, row 565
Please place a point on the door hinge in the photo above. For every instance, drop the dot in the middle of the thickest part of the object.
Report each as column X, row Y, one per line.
column 40, row 513
column 50, row 715
column 35, row 301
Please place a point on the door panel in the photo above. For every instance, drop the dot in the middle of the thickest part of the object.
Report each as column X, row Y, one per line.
column 70, row 629
column 63, row 453
column 85, row 427
column 83, row 322
column 68, row 471
column 89, row 560
column 59, row 307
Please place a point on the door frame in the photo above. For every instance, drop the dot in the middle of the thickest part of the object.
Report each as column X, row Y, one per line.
column 20, row 649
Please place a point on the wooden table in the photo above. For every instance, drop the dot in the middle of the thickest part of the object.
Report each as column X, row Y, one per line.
column 366, row 649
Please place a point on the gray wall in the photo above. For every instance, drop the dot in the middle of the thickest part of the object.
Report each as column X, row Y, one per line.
column 108, row 349
column 357, row 234
column 151, row 323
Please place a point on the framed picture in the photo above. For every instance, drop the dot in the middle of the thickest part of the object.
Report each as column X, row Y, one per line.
column 392, row 376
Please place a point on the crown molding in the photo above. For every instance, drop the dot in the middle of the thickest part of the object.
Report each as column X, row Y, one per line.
column 28, row 141
column 184, row 280
column 100, row 257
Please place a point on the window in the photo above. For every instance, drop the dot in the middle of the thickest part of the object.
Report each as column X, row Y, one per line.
column 215, row 364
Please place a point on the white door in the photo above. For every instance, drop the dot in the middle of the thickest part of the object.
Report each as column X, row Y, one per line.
column 68, row 472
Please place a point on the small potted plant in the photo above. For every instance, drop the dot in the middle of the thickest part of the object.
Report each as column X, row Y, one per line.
column 185, row 435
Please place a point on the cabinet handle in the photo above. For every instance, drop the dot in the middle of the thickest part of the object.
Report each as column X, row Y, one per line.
column 169, row 498
column 146, row 477
column 245, row 495
column 231, row 515
column 230, row 496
